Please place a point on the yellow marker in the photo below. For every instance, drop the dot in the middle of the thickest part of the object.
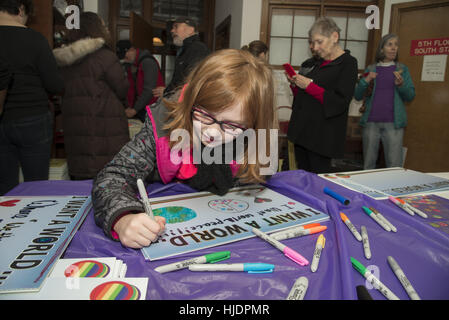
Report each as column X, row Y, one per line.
column 317, row 254
column 351, row 227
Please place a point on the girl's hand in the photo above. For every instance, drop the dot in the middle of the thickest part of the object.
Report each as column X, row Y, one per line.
column 139, row 230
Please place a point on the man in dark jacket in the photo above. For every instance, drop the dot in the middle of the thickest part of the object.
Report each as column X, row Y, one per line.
column 144, row 75
column 191, row 52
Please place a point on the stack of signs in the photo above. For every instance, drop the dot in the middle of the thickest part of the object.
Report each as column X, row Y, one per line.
column 34, row 232
column 87, row 279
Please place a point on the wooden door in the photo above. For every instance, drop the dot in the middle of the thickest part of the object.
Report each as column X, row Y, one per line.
column 42, row 20
column 427, row 133
column 140, row 33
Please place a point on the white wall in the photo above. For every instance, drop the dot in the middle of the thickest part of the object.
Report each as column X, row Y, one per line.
column 387, row 14
column 245, row 19
column 100, row 7
column 252, row 14
column 224, row 8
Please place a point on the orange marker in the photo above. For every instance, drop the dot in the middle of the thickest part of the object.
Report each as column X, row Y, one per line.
column 351, row 227
column 297, row 232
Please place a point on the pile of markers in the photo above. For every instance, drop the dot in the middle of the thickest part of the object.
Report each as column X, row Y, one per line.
column 209, row 262
column 363, row 237
column 299, row 289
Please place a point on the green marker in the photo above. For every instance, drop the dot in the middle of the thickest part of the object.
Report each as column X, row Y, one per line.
column 373, row 280
column 208, row 258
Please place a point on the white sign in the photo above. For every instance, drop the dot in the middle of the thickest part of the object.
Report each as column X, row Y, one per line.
column 434, row 68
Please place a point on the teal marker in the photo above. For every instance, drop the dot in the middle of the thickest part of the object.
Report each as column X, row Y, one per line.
column 208, row 258
column 373, row 280
column 376, row 218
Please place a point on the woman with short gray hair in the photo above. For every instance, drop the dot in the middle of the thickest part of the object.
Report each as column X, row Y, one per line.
column 320, row 109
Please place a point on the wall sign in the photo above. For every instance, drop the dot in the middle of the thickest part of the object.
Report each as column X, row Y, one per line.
column 426, row 47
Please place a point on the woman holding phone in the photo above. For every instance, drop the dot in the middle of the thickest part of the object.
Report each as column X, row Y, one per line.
column 320, row 108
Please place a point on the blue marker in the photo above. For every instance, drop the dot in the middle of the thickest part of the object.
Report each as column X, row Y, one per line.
column 242, row 267
column 336, row 196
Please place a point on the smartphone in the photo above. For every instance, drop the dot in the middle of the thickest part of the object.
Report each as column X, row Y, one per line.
column 289, row 69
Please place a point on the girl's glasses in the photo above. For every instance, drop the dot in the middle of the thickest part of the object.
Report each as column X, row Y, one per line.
column 226, row 126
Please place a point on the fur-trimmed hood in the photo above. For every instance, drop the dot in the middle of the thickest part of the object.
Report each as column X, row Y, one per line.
column 68, row 55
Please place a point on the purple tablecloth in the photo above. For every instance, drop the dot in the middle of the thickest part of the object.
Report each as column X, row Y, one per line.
column 421, row 251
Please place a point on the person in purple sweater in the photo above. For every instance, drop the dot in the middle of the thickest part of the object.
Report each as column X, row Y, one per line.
column 386, row 86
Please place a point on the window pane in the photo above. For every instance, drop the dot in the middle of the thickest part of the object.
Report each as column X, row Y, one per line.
column 123, row 34
column 126, row 6
column 303, row 21
column 280, row 50
column 356, row 27
column 300, row 52
column 358, row 51
column 171, row 9
column 281, row 23
column 340, row 19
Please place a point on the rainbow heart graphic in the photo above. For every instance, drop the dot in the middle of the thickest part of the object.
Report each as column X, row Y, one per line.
column 87, row 269
column 115, row 290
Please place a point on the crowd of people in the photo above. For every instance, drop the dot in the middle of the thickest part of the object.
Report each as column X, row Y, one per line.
column 217, row 97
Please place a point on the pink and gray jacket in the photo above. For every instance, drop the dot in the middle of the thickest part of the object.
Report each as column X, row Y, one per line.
column 146, row 157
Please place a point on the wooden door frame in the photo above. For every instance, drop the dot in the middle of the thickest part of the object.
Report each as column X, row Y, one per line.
column 223, row 27
column 398, row 8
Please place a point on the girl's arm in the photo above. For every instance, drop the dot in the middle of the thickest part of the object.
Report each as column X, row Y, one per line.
column 115, row 190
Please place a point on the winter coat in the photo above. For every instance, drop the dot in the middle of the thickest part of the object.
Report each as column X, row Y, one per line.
column 321, row 128
column 192, row 52
column 146, row 77
column 404, row 93
column 147, row 157
column 94, row 120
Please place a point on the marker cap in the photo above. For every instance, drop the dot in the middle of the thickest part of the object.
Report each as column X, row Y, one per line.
column 362, row 293
column 317, row 229
column 258, row 267
column 358, row 266
column 367, row 210
column 321, row 240
column 218, row 256
column 311, row 225
column 336, row 196
column 343, row 217
column 295, row 256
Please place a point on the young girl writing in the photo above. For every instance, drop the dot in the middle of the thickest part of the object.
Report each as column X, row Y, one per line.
column 227, row 95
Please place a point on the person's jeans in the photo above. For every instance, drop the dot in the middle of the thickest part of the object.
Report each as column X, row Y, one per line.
column 391, row 138
column 26, row 142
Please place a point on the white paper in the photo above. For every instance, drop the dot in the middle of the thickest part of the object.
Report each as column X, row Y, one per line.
column 434, row 68
column 86, row 289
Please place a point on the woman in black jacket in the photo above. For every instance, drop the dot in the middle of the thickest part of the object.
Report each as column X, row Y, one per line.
column 320, row 109
column 26, row 125
column 5, row 77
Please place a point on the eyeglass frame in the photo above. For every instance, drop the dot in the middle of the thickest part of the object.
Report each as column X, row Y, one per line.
column 220, row 123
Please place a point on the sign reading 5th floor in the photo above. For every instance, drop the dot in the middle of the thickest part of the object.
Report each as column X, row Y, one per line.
column 425, row 47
